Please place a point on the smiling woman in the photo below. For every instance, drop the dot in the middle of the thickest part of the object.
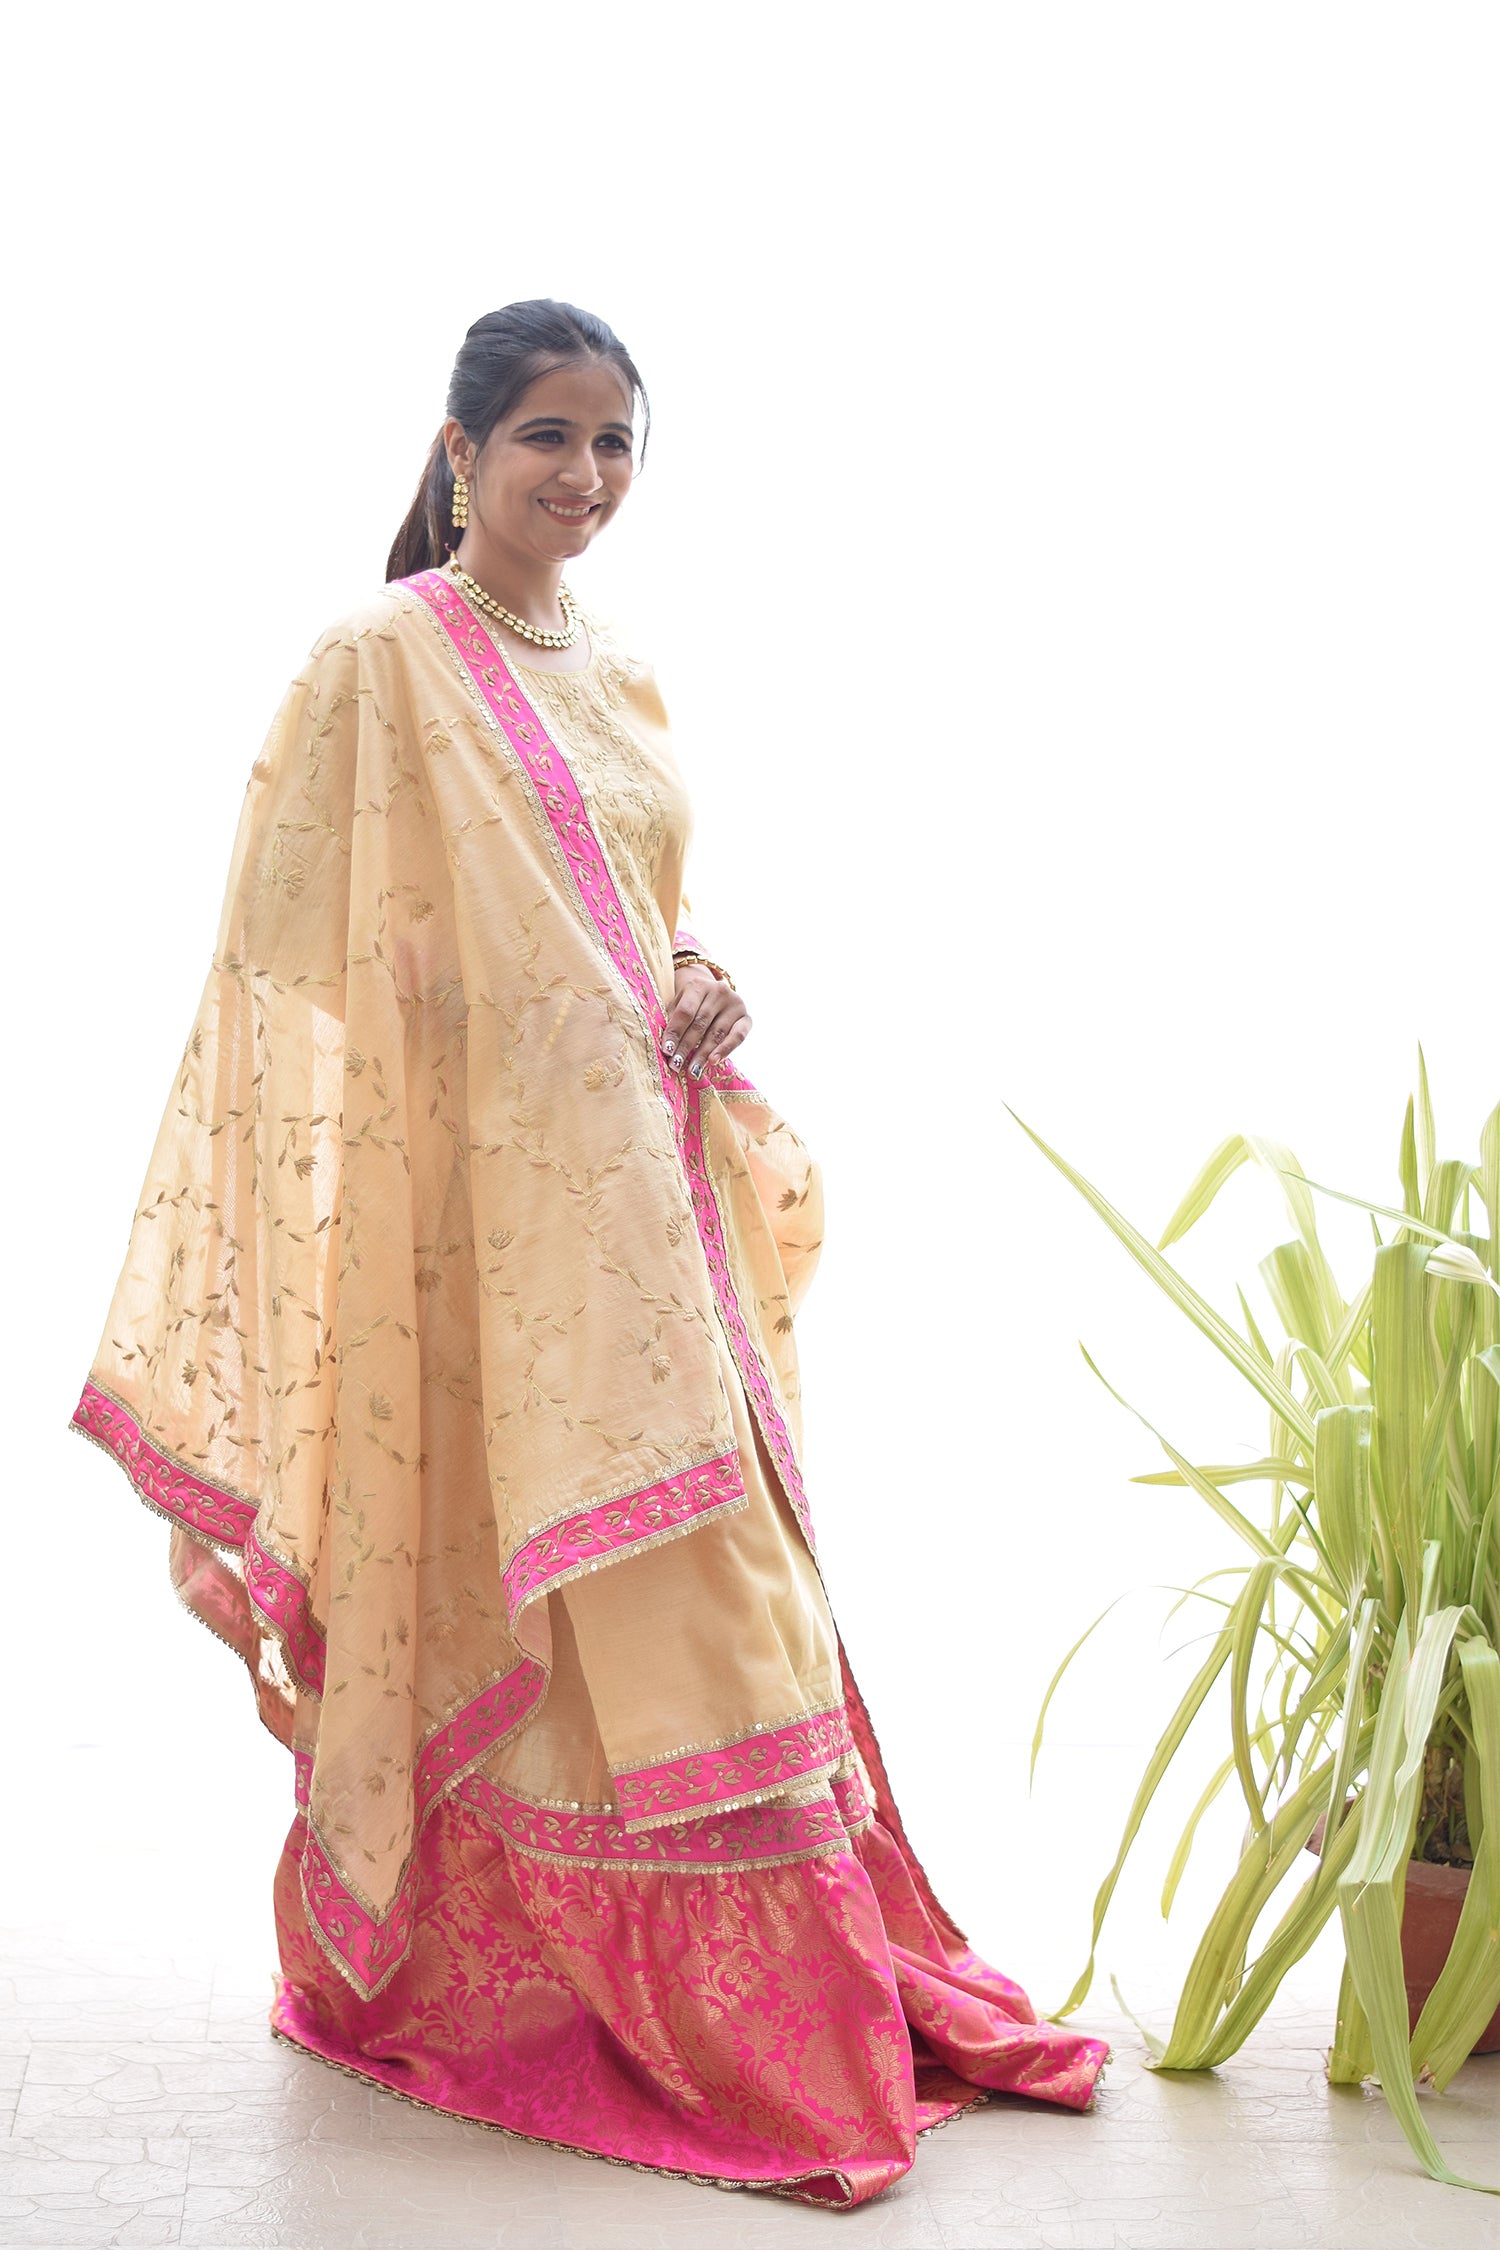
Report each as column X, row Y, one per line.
column 455, row 1342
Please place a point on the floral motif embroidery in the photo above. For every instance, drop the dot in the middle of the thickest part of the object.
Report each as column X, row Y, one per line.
column 732, row 1772
column 769, row 1835
column 368, row 1951
column 564, row 1550
column 562, row 801
column 855, row 1809
column 368, row 1946
column 200, row 1507
column 492, row 1716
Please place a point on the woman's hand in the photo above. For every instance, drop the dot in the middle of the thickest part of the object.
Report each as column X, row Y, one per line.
column 707, row 1020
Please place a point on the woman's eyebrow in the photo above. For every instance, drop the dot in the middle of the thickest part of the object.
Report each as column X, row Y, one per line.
column 561, row 422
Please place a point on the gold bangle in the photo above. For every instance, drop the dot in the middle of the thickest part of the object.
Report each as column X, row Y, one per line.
column 687, row 960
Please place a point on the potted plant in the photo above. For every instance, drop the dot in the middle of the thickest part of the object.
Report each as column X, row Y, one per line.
column 1362, row 1640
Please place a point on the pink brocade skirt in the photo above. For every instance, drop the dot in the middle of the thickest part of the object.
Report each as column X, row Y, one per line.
column 790, row 2027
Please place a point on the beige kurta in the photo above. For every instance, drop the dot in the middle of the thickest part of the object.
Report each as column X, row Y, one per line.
column 734, row 1621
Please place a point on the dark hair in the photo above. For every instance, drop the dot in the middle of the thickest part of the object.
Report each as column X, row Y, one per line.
column 502, row 355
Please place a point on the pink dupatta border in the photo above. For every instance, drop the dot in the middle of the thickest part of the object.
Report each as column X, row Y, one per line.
column 562, row 803
column 367, row 1946
column 579, row 1542
column 219, row 1517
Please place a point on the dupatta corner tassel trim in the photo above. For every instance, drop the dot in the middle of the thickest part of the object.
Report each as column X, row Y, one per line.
column 561, row 803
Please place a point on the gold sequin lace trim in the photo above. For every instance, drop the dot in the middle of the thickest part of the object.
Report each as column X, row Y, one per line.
column 774, row 1795
column 754, row 1733
column 786, row 2187
column 751, row 1865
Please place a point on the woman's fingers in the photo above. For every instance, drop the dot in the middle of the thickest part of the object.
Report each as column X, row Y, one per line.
column 697, row 991
column 723, row 1041
column 725, row 1032
column 702, row 1030
column 682, row 1044
column 707, row 1021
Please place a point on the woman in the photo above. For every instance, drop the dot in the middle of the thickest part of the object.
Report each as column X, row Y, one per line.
column 455, row 1342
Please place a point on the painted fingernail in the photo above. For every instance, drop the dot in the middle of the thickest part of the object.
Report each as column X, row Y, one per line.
column 697, row 1070
column 677, row 1062
column 667, row 1045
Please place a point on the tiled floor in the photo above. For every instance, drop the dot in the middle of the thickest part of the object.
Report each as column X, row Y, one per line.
column 146, row 2104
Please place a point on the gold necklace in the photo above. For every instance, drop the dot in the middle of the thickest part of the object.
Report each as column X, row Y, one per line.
column 513, row 624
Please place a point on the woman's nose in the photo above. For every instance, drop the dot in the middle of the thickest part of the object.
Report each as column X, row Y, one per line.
column 582, row 473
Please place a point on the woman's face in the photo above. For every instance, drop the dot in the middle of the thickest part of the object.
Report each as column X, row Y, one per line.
column 552, row 473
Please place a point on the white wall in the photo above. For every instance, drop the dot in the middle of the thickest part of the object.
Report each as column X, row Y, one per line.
column 1069, row 550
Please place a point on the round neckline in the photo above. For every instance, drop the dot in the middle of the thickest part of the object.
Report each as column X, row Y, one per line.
column 519, row 664
column 550, row 671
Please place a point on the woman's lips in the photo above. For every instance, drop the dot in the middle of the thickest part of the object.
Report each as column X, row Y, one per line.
column 574, row 514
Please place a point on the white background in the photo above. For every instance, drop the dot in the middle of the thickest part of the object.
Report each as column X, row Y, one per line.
column 1068, row 548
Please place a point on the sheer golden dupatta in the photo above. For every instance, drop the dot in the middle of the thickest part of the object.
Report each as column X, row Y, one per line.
column 426, row 1304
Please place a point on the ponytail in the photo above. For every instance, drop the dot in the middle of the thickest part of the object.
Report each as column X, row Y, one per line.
column 426, row 538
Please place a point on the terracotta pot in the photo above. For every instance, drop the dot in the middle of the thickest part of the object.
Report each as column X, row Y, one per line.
column 1434, row 1899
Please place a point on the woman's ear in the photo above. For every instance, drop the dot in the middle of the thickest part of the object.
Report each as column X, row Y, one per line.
column 459, row 448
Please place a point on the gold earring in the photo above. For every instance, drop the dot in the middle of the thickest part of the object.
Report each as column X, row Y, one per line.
column 460, row 503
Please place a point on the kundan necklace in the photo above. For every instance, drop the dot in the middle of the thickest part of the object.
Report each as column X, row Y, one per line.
column 513, row 624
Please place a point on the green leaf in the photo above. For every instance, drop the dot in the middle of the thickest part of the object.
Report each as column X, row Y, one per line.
column 1177, row 1865
column 1261, row 1347
column 1056, row 1681
column 1467, row 1991
column 1426, row 1130
column 1341, row 1471
column 1185, row 1297
column 1372, row 1889
column 1295, row 1287
column 1398, row 1331
column 1412, row 1221
column 1351, row 2059
column 1445, row 1187
column 1265, row 1471
column 1169, row 1743
column 1198, row 2037
column 1224, row 1162
column 1411, row 1182
column 1257, row 1540
column 1489, row 1182
column 1245, row 1632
